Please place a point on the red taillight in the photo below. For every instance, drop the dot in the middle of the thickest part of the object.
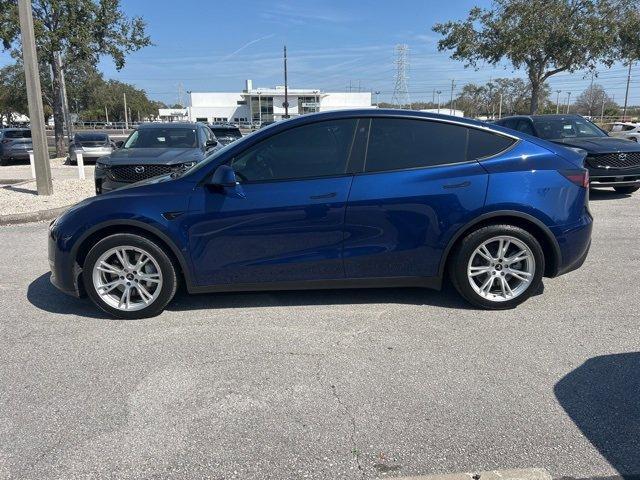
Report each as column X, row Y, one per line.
column 579, row 177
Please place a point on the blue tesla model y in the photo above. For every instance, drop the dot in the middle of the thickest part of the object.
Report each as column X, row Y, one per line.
column 358, row 198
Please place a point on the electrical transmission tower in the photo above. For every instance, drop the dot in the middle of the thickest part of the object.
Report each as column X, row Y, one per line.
column 401, row 91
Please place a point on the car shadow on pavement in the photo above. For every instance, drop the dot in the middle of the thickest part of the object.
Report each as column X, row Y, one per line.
column 602, row 397
column 45, row 296
column 597, row 195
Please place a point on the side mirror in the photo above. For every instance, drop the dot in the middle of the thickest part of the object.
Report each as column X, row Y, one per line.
column 210, row 143
column 224, row 176
column 119, row 143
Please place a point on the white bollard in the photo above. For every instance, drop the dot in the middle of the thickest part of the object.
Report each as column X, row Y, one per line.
column 33, row 164
column 80, row 161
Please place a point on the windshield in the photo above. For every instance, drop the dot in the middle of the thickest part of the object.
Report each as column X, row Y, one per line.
column 226, row 132
column 162, row 138
column 570, row 127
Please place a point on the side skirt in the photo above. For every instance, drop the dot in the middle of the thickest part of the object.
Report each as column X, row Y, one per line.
column 384, row 282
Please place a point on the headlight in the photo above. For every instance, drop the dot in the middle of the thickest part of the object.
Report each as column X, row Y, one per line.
column 101, row 166
column 188, row 165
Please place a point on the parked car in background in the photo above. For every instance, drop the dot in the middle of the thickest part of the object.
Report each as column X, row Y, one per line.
column 352, row 198
column 612, row 162
column 628, row 130
column 15, row 144
column 91, row 145
column 225, row 133
column 154, row 149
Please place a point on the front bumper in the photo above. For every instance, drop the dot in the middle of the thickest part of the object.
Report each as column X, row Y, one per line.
column 614, row 177
column 65, row 273
column 17, row 154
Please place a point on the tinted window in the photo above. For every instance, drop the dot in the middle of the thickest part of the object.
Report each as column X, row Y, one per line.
column 484, row 144
column 398, row 143
column 17, row 134
column 525, row 126
column 316, row 150
column 91, row 137
column 163, row 138
column 508, row 123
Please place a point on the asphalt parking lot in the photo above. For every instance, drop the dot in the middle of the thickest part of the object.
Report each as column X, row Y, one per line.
column 333, row 384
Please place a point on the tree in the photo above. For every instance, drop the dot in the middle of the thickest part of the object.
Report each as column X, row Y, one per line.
column 13, row 92
column 591, row 101
column 72, row 31
column 545, row 37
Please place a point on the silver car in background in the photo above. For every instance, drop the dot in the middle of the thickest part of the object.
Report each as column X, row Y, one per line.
column 15, row 144
column 91, row 145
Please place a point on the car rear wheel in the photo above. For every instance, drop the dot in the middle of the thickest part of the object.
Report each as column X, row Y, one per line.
column 627, row 190
column 129, row 276
column 497, row 267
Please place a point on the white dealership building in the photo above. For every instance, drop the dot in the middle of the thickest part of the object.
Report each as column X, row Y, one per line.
column 267, row 104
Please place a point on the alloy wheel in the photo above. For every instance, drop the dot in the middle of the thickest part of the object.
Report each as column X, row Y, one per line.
column 127, row 278
column 501, row 268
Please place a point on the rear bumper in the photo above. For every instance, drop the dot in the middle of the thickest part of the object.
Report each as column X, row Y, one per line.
column 15, row 154
column 574, row 241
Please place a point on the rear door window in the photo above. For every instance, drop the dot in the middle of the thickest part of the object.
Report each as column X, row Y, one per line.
column 396, row 143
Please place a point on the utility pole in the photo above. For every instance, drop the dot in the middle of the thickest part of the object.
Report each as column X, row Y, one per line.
column 106, row 115
column 604, row 96
column 286, row 86
column 500, row 107
column 558, row 101
column 568, row 101
column 591, row 99
column 34, row 97
column 453, row 85
column 626, row 95
column 126, row 114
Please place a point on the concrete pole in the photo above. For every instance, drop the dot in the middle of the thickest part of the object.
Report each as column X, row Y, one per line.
column 500, row 107
column 626, row 95
column 126, row 114
column 34, row 97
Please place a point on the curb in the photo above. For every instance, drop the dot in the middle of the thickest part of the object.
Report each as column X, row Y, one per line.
column 522, row 474
column 29, row 217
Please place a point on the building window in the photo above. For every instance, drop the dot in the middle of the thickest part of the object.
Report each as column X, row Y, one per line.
column 241, row 102
column 308, row 104
column 201, row 119
column 261, row 109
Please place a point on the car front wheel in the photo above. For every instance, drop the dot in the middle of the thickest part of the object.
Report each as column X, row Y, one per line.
column 129, row 276
column 497, row 267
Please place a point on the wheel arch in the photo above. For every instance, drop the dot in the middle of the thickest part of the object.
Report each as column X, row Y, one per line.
column 90, row 237
column 548, row 242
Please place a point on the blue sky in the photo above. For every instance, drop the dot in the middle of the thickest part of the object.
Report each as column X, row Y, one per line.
column 215, row 46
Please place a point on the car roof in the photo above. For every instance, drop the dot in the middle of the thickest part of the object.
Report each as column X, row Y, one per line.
column 168, row 125
column 554, row 116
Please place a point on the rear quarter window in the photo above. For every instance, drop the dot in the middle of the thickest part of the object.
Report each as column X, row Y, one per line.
column 486, row 144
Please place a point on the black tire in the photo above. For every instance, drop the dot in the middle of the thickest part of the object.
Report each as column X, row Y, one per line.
column 4, row 162
column 463, row 253
column 626, row 190
column 167, row 269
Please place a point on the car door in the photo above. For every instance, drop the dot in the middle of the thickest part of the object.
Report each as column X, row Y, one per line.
column 284, row 220
column 421, row 183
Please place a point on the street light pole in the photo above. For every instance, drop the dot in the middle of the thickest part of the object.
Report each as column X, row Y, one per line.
column 34, row 97
column 126, row 114
column 626, row 95
column 558, row 101
column 286, row 86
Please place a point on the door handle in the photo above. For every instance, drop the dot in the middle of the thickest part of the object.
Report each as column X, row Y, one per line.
column 457, row 185
column 326, row 195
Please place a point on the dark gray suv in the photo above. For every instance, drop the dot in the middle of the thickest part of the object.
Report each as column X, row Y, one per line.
column 154, row 149
column 15, row 144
